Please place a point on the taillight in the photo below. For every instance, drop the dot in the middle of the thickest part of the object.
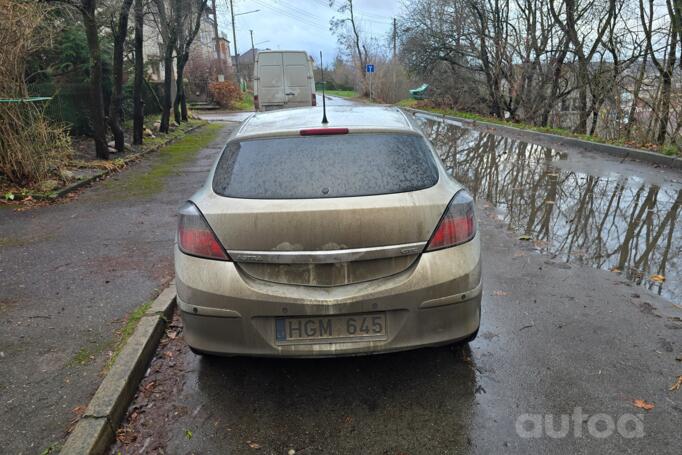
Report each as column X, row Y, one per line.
column 256, row 104
column 195, row 236
column 458, row 224
column 314, row 99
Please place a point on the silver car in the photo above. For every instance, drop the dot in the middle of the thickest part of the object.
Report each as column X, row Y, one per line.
column 313, row 239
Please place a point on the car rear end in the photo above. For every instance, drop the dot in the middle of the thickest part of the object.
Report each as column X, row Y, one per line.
column 328, row 241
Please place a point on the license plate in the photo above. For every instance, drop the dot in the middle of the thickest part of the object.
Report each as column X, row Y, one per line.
column 328, row 329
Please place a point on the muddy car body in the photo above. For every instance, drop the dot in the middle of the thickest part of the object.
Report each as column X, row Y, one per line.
column 320, row 240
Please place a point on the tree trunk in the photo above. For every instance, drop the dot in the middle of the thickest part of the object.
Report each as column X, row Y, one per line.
column 583, row 76
column 186, row 31
column 180, row 19
column 99, row 127
column 556, row 80
column 167, row 87
column 183, row 107
column 116, row 106
column 595, row 118
column 179, row 88
column 665, row 106
column 635, row 98
column 138, row 104
column 359, row 48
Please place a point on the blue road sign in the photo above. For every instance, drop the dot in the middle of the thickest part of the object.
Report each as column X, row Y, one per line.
column 369, row 68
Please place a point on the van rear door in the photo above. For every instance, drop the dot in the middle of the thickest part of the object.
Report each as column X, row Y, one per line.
column 270, row 79
column 297, row 79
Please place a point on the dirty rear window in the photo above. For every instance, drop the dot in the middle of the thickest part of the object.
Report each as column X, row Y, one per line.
column 325, row 166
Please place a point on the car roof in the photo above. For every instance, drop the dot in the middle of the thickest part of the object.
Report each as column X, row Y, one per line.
column 288, row 122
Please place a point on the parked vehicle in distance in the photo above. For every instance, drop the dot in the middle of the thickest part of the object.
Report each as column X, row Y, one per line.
column 283, row 79
column 321, row 240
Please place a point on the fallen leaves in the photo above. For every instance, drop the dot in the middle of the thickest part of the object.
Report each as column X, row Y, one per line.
column 500, row 293
column 253, row 445
column 149, row 386
column 126, row 435
column 676, row 386
column 525, row 237
column 78, row 412
column 657, row 278
column 641, row 404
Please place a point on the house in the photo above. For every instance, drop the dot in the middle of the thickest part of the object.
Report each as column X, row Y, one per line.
column 204, row 65
column 246, row 61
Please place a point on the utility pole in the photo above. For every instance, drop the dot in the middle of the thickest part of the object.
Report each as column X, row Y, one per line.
column 253, row 50
column 393, row 65
column 395, row 36
column 217, row 41
column 234, row 40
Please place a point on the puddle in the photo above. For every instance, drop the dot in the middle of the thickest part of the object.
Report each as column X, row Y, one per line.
column 576, row 207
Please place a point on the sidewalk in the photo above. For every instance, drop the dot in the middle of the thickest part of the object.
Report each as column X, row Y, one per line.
column 70, row 273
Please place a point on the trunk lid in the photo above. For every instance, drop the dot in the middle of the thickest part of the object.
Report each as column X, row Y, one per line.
column 326, row 242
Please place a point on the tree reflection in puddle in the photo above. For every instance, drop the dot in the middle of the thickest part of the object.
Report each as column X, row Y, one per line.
column 612, row 222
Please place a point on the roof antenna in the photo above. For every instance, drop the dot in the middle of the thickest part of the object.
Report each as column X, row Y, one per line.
column 324, row 103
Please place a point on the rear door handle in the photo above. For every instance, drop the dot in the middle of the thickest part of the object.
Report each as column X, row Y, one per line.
column 290, row 94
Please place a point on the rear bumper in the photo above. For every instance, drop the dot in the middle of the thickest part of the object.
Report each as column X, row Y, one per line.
column 435, row 301
column 287, row 105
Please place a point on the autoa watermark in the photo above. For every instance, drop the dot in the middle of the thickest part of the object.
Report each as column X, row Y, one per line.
column 598, row 426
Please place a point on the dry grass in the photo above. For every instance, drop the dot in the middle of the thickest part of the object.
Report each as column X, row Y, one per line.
column 31, row 147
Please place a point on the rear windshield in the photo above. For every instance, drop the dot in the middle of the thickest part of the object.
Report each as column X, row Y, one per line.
column 325, row 166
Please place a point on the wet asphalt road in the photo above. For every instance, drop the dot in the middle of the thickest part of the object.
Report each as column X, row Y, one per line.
column 553, row 339
column 334, row 100
column 558, row 339
column 69, row 274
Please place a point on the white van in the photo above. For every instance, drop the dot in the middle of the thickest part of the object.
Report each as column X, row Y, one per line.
column 283, row 79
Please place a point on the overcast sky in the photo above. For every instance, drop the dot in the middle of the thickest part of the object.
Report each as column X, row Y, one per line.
column 301, row 24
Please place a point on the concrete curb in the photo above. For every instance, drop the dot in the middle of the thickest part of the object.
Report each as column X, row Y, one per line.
column 81, row 183
column 96, row 429
column 556, row 140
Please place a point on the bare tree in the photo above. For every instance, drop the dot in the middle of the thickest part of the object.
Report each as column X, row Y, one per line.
column 573, row 14
column 666, row 64
column 581, row 64
column 164, row 16
column 138, row 104
column 188, row 22
column 88, row 10
column 119, row 29
column 348, row 32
